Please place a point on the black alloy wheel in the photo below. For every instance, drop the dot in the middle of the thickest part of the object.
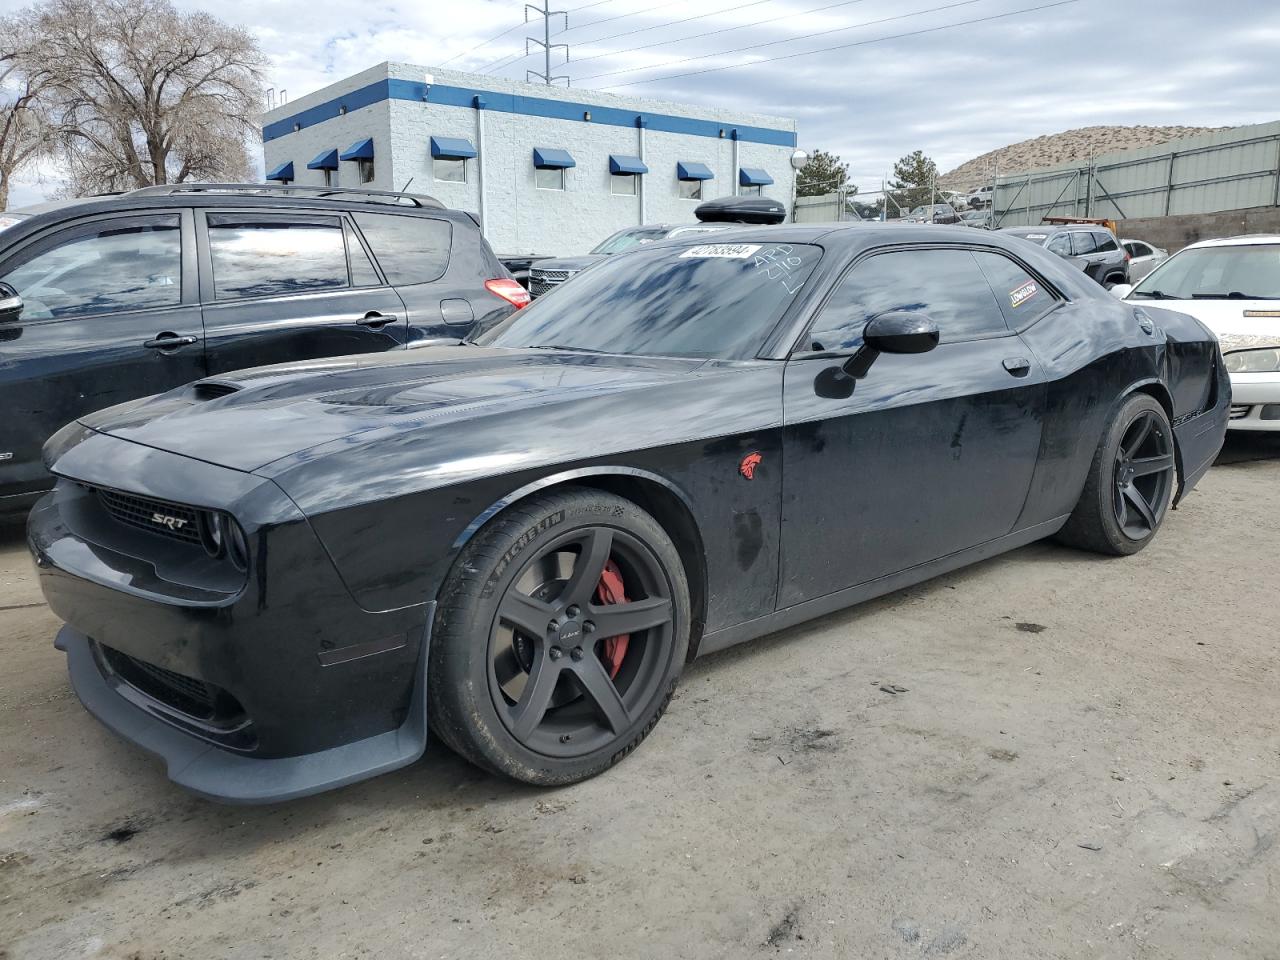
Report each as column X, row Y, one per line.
column 557, row 677
column 1143, row 474
column 559, row 636
column 1130, row 483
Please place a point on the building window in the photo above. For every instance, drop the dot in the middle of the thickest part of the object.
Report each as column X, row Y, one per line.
column 690, row 189
column 622, row 184
column 365, row 166
column 548, row 178
column 449, row 169
column 753, row 191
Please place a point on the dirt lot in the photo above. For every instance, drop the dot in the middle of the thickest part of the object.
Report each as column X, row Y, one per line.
column 1084, row 763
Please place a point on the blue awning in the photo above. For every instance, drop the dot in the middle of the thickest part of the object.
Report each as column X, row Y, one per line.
column 326, row 161
column 552, row 158
column 688, row 170
column 282, row 173
column 360, row 150
column 626, row 165
column 452, row 148
column 754, row 177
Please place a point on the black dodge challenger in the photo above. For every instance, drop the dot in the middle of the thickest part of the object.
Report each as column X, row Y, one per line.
column 278, row 580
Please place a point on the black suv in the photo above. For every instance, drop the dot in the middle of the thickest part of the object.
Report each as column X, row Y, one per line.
column 1094, row 249
column 112, row 298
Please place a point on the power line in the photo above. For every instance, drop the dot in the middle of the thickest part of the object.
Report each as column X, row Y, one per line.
column 774, row 43
column 846, row 46
column 623, row 16
column 709, row 33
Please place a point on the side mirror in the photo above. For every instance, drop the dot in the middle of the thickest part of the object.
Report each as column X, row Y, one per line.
column 1122, row 290
column 897, row 332
column 10, row 304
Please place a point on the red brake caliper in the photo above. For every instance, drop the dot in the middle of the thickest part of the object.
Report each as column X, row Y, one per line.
column 611, row 590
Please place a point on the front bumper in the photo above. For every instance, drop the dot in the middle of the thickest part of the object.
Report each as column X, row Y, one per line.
column 1255, row 401
column 256, row 688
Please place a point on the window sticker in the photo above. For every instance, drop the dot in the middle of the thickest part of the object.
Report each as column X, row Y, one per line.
column 1037, row 236
column 723, row 251
column 1024, row 293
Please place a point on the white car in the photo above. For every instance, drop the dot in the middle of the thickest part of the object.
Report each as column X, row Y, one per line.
column 981, row 197
column 1232, row 286
column 1143, row 258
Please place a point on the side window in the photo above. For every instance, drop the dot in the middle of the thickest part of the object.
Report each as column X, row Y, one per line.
column 1021, row 296
column 265, row 255
column 1082, row 242
column 362, row 272
column 1060, row 244
column 945, row 285
column 409, row 249
column 110, row 266
column 1106, row 242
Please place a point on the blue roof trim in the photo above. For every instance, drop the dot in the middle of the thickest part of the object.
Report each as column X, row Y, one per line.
column 688, row 170
column 360, row 150
column 754, row 177
column 326, row 161
column 552, row 158
column 282, row 172
column 439, row 93
column 452, row 148
column 619, row 163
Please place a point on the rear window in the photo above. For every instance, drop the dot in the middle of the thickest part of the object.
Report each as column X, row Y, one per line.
column 409, row 249
column 710, row 300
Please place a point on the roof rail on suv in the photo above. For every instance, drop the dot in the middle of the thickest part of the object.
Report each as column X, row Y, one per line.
column 315, row 193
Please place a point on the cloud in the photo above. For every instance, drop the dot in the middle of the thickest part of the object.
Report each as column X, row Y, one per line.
column 953, row 93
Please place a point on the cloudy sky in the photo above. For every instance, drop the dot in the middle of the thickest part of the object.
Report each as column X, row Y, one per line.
column 954, row 78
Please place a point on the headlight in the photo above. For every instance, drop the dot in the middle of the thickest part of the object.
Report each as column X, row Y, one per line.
column 1253, row 361
column 222, row 536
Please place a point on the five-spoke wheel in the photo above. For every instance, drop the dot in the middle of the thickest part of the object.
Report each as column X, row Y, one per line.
column 560, row 636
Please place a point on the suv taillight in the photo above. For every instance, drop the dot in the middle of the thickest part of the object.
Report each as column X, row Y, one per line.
column 508, row 290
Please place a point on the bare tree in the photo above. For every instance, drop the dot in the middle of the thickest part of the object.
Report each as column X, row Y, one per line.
column 24, row 134
column 144, row 94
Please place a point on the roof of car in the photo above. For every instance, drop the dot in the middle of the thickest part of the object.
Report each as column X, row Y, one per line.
column 854, row 234
column 1247, row 240
column 1048, row 228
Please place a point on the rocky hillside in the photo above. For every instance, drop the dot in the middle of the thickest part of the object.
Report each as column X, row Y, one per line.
column 1055, row 149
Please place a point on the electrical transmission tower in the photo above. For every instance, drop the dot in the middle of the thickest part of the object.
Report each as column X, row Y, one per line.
column 546, row 13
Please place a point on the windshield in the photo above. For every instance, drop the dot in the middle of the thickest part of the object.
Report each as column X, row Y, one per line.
column 627, row 239
column 1216, row 273
column 708, row 300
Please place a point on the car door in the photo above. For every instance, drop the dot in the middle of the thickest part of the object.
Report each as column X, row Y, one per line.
column 281, row 286
column 110, row 313
column 414, row 252
column 928, row 453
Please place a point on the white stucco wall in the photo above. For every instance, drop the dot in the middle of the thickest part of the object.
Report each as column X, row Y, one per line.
column 519, row 217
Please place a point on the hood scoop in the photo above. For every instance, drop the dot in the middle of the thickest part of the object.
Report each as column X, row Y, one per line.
column 212, row 389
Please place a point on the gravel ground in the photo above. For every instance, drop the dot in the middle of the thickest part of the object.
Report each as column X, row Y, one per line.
column 1083, row 763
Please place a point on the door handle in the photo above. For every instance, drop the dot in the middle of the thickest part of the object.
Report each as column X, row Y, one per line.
column 375, row 320
column 169, row 341
column 1018, row 366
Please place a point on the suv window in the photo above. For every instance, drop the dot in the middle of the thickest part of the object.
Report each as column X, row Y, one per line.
column 946, row 285
column 409, row 249
column 108, row 266
column 1082, row 242
column 1060, row 244
column 1106, row 242
column 268, row 255
column 1021, row 296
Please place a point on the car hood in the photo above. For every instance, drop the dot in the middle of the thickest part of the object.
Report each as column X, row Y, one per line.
column 570, row 263
column 250, row 418
column 1238, row 324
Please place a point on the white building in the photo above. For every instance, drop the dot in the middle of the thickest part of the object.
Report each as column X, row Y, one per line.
column 547, row 169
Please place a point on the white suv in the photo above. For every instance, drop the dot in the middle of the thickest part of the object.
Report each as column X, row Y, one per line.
column 981, row 197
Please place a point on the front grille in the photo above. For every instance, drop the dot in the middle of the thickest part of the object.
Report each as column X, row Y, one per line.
column 540, row 281
column 195, row 698
column 1239, row 411
column 172, row 520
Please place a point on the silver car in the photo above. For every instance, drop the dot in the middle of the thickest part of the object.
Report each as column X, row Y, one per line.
column 1143, row 258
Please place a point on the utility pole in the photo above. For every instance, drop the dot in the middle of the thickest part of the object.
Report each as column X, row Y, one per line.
column 546, row 13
